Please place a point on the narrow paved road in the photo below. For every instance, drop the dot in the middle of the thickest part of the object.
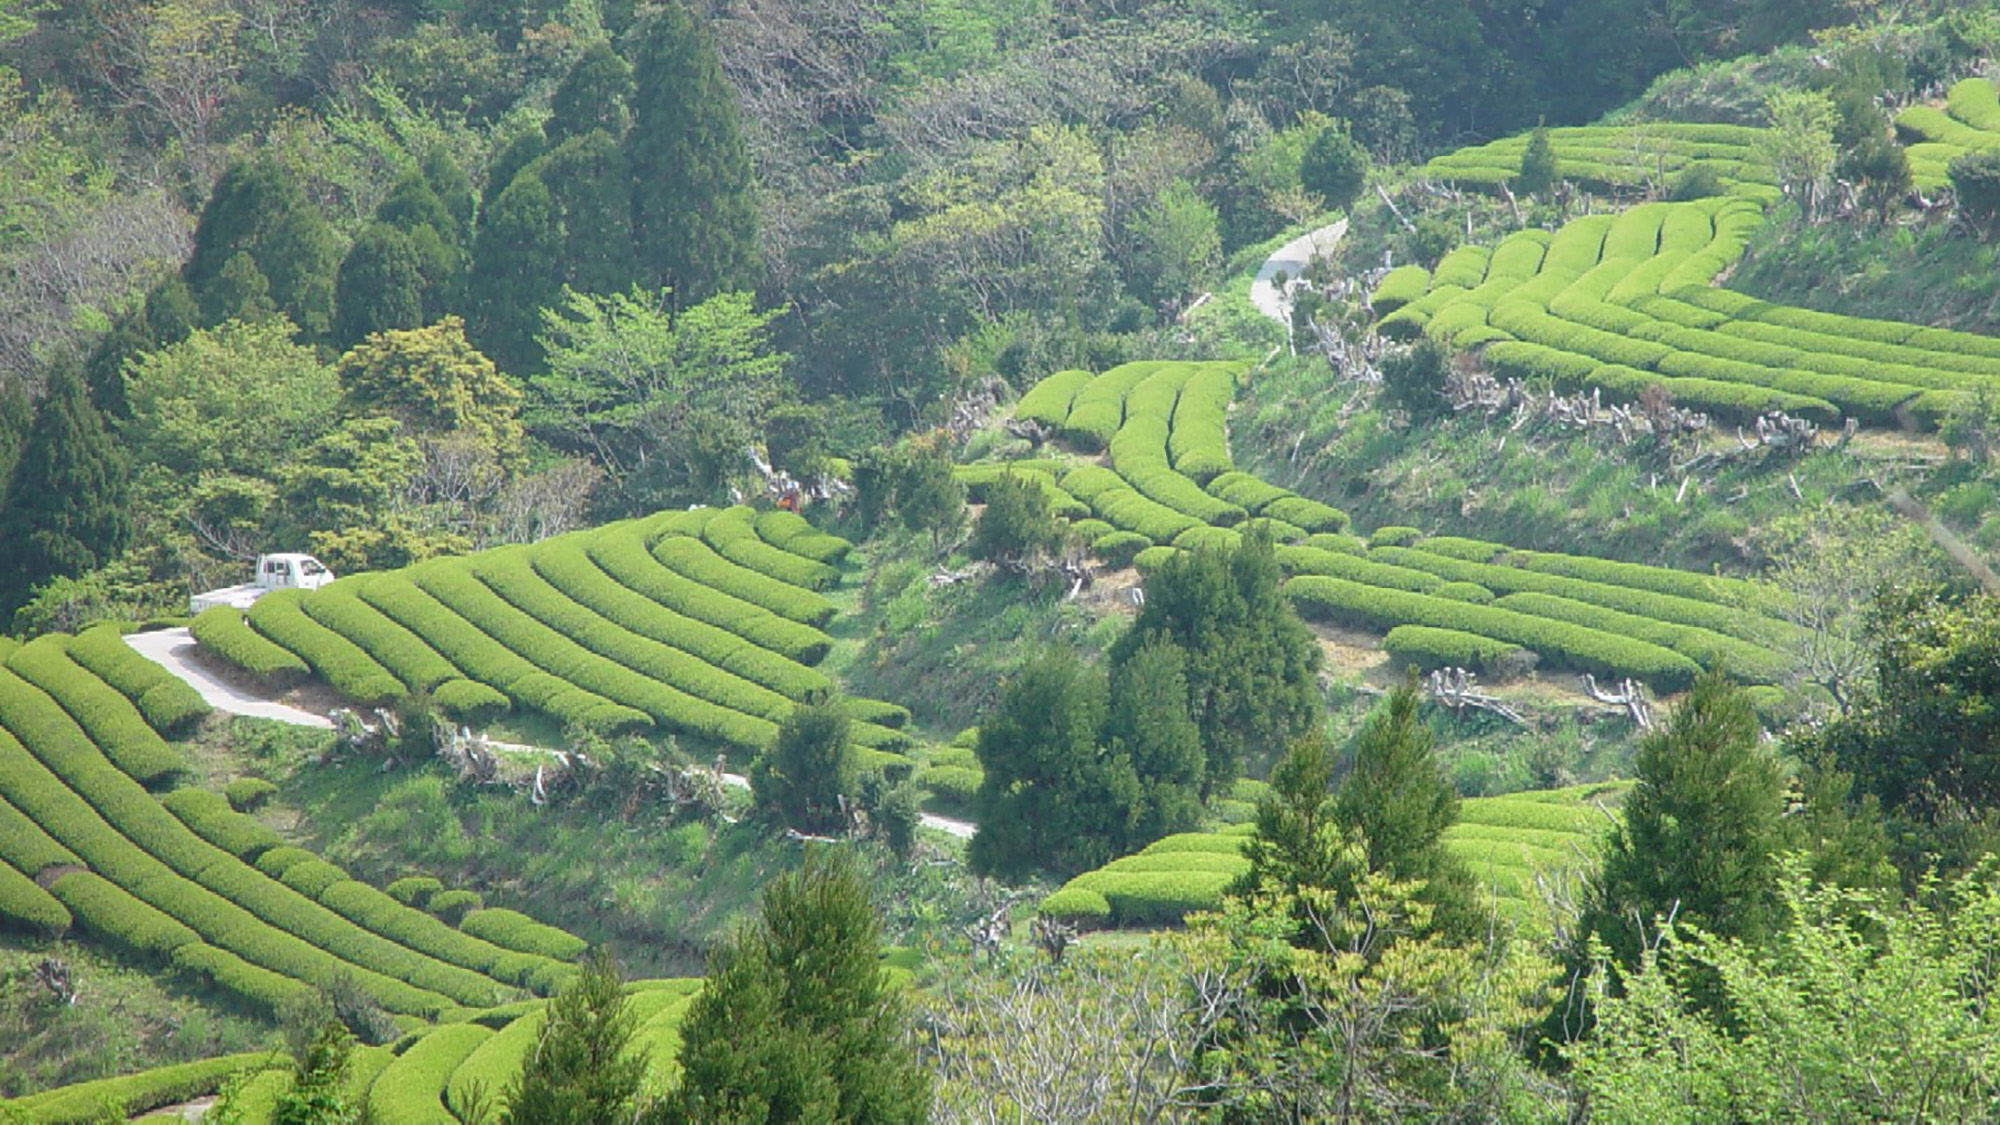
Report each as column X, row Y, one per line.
column 173, row 649
column 1291, row 258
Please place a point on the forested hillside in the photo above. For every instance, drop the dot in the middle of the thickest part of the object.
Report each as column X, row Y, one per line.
column 878, row 561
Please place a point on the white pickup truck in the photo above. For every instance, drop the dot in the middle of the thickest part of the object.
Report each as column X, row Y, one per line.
column 274, row 572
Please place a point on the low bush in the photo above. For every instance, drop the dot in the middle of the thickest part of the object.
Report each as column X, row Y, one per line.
column 248, row 794
column 1246, row 491
column 110, row 719
column 138, row 1093
column 403, row 654
column 454, row 905
column 697, row 561
column 1394, row 536
column 1735, row 658
column 210, row 816
column 1465, row 266
column 470, row 702
column 311, row 877
column 495, row 1062
column 1223, row 862
column 166, row 701
column 1118, row 548
column 105, row 909
column 382, row 913
column 789, row 531
column 1077, row 905
column 895, row 716
column 414, row 890
column 1127, row 508
column 1465, row 592
column 275, row 993
column 1208, row 539
column 1305, row 513
column 279, row 860
column 733, row 535
column 1154, row 897
column 1399, row 287
column 512, row 930
column 24, row 846
column 411, row 1089
column 1336, row 564
column 954, row 785
column 1429, row 648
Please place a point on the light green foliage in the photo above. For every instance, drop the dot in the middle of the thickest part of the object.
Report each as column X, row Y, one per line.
column 435, row 382
column 241, row 398
column 580, row 1071
column 1179, row 252
column 1800, row 146
column 1333, row 167
column 1858, row 1004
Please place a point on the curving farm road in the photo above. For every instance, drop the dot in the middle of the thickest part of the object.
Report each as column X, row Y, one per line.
column 1291, row 258
column 174, row 649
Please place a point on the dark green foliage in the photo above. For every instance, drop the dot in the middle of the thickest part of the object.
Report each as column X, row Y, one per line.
column 380, row 287
column 300, row 255
column 1414, row 379
column 17, row 416
column 319, row 1094
column 1051, row 800
column 693, row 206
column 1397, row 803
column 1298, row 842
column 171, row 312
column 1701, row 831
column 239, row 292
column 1250, row 661
column 929, row 498
column 1333, row 167
column 580, row 1072
column 1016, row 524
column 592, row 96
column 517, row 153
column 803, row 779
column 515, row 271
column 453, row 188
column 1149, row 730
column 1975, row 182
column 66, row 508
column 796, row 1022
column 589, row 185
column 1539, row 168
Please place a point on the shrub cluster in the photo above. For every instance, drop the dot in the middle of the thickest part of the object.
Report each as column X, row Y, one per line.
column 512, row 930
column 138, row 1093
column 24, row 905
column 1048, row 401
column 210, row 816
column 248, row 794
column 696, row 561
column 733, row 534
column 110, row 719
column 1199, row 440
column 620, row 552
column 405, row 655
column 789, row 531
column 411, row 1088
column 1099, row 407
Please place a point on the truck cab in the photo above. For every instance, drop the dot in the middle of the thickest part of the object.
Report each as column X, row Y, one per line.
column 274, row 572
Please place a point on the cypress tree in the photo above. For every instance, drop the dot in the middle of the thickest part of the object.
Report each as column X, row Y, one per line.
column 796, row 1023
column 580, row 1070
column 412, row 203
column 1398, row 804
column 453, row 188
column 171, row 313
column 381, row 286
column 1149, row 727
column 593, row 95
column 801, row 778
column 694, row 207
column 1050, row 799
column 515, row 272
column 66, row 504
column 520, row 151
column 104, row 367
column 1298, row 840
column 436, row 236
column 248, row 197
column 1702, row 828
column 259, row 209
column 301, row 257
column 16, row 416
column 239, row 292
column 587, row 178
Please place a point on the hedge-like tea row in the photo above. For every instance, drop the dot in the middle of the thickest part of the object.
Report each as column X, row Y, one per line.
column 1970, row 120
column 410, row 1090
column 381, row 913
column 1199, row 440
column 620, row 551
column 1099, row 406
column 512, row 930
column 24, row 846
column 733, row 534
column 696, row 560
column 337, row 660
column 1556, row 642
column 110, row 719
column 1048, row 401
column 1428, row 647
column 789, row 531
column 222, row 630
column 209, row 816
column 402, row 653
column 1733, row 657
column 138, row 1093
column 166, row 701
column 978, row 478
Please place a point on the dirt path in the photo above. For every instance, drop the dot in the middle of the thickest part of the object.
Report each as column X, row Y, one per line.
column 175, row 650
column 1291, row 258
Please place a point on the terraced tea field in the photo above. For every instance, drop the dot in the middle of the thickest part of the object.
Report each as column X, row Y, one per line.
column 1935, row 137
column 93, row 841
column 434, row 1076
column 706, row 623
column 1622, row 157
column 1169, row 487
column 1506, row 842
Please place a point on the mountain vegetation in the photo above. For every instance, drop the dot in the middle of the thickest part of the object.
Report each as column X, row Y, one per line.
column 997, row 561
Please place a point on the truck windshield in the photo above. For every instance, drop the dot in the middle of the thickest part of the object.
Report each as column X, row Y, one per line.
column 312, row 568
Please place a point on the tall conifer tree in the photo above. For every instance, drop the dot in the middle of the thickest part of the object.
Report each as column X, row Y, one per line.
column 515, row 272
column 694, row 203
column 65, row 509
column 381, row 286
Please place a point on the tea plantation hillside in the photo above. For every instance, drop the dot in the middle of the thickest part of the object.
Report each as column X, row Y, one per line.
column 96, row 842
column 1169, row 486
column 705, row 624
column 433, row 1076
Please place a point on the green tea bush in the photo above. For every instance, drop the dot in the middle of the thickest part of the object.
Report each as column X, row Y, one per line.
column 1199, row 440
column 24, row 846
column 1048, row 401
column 1394, row 536
column 1127, row 508
column 1429, row 648
column 311, row 876
column 1155, row 897
column 84, row 1102
column 1458, row 547
column 1465, row 592
column 696, row 561
column 1308, row 514
column 105, row 909
column 381, row 913
column 453, row 905
column 496, row 1061
column 1090, row 530
column 279, row 860
column 455, row 638
column 733, row 534
column 952, row 784
column 1736, row 658
column 469, row 701
column 512, row 930
column 789, row 531
column 895, row 716
column 413, row 890
column 1118, row 548
column 339, row 661
column 1246, row 491
column 1465, row 266
column 1660, row 580
column 274, row 993
column 167, row 702
column 1336, row 564
column 1208, row 539
column 1222, row 862
column 1195, row 842
column 620, row 552
column 1075, row 904
column 1399, row 287
column 210, row 816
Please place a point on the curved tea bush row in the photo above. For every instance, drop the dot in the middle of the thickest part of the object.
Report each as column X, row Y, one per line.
column 402, row 653
column 410, row 1090
column 512, row 930
column 1048, row 401
column 789, row 531
column 620, row 551
column 1622, row 156
column 108, row 717
column 1970, row 120
column 222, row 630
column 1199, row 441
column 1558, row 643
column 166, row 701
column 1429, row 647
column 24, row 846
column 733, row 534
column 1099, row 406
column 208, row 815
column 977, row 478
column 694, row 559
column 337, row 660
column 146, row 1090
